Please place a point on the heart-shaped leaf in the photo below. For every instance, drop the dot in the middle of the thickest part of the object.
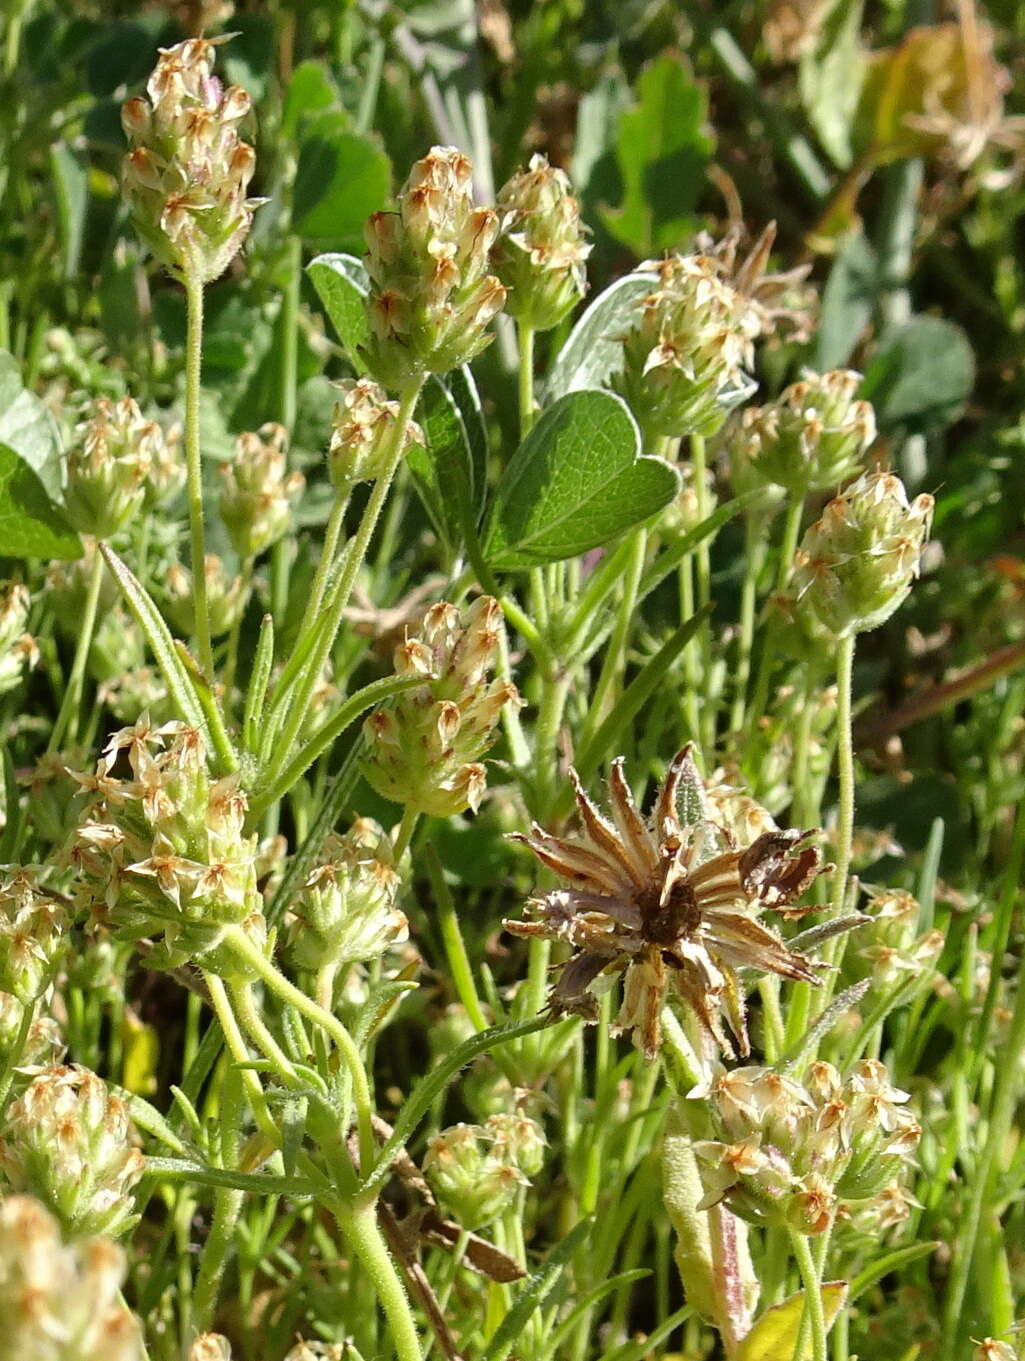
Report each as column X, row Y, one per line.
column 574, row 483
column 774, row 1335
column 30, row 524
column 27, row 427
column 920, row 376
column 341, row 282
column 594, row 347
column 341, row 178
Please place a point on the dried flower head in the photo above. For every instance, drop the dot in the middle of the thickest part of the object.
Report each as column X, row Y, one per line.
column 791, row 1153
column 363, row 423
column 672, row 904
column 187, row 171
column 813, row 436
column 425, row 750
column 346, row 910
column 856, row 565
column 18, row 649
column 686, row 355
column 431, row 296
column 226, row 597
column 57, row 1302
column 540, row 252
column 66, row 1141
column 259, row 491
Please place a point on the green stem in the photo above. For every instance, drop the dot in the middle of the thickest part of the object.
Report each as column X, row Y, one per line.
column 404, row 834
column 452, row 940
column 753, row 557
column 227, row 1207
column 327, row 557
column 249, row 1014
column 194, row 467
column 360, row 1228
column 614, row 664
column 235, row 1043
column 68, row 715
column 342, row 590
column 525, row 335
column 286, row 991
column 845, row 773
column 28, row 1016
column 1001, row 1117
column 231, row 654
column 787, row 549
column 812, row 1297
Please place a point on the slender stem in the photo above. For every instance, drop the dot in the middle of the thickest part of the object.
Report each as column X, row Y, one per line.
column 845, row 773
column 452, row 939
column 554, row 693
column 614, row 665
column 231, row 654
column 404, row 834
column 68, row 716
column 227, row 1206
column 327, row 557
column 28, row 1016
column 360, row 1227
column 194, row 467
column 288, row 993
column 235, row 1042
column 699, row 462
column 791, row 530
column 753, row 558
column 342, row 590
column 812, row 1297
column 525, row 335
column 249, row 1014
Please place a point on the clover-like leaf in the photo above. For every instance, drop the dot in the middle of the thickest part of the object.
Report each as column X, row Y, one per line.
column 575, row 482
column 341, row 283
column 31, row 526
column 774, row 1335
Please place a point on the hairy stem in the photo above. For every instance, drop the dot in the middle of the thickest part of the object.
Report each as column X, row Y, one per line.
column 194, row 467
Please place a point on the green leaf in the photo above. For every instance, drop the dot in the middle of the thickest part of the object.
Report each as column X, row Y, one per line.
column 158, row 635
column 594, row 347
column 847, row 302
column 69, row 169
column 831, row 76
column 30, row 524
column 669, row 560
column 574, row 483
column 341, row 283
column 920, row 376
column 27, row 427
column 442, row 468
column 310, row 91
column 662, row 148
column 533, row 1294
column 890, row 1261
column 341, row 178
column 774, row 1335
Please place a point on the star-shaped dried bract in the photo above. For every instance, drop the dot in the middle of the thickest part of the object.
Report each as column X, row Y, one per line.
column 672, row 904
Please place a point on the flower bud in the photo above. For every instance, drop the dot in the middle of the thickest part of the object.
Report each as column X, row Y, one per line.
column 363, row 424
column 813, row 436
column 431, row 297
column 109, row 466
column 256, row 503
column 226, row 597
column 424, row 751
column 540, row 251
column 18, row 649
column 856, row 565
column 186, row 173
column 466, row 1176
column 321, row 1351
column 57, row 1302
column 517, row 1140
column 43, row 1044
column 889, row 946
column 346, row 911
column 685, row 356
column 66, row 1140
column 164, row 853
column 31, row 934
column 67, row 586
column 210, row 1347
